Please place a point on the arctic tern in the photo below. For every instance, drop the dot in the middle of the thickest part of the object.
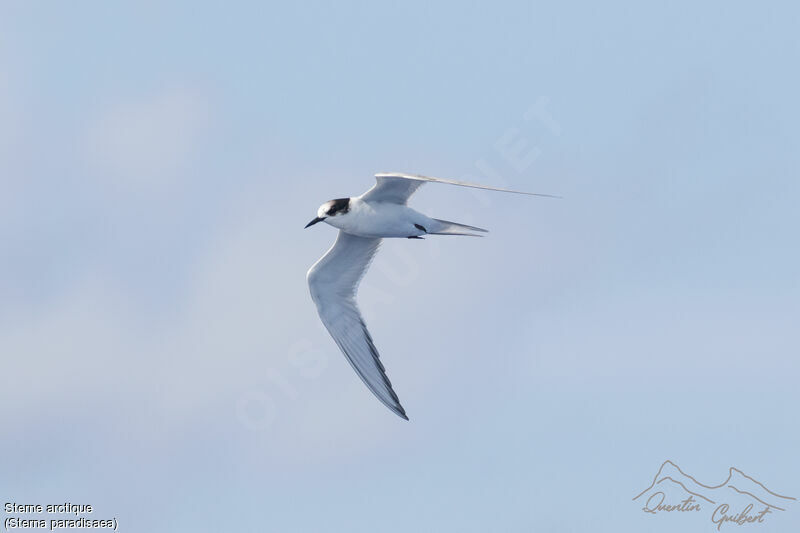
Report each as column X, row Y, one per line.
column 363, row 221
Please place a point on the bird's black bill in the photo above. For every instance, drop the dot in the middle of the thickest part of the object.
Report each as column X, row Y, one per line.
column 318, row 219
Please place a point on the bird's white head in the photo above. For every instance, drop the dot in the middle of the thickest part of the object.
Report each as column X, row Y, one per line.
column 334, row 208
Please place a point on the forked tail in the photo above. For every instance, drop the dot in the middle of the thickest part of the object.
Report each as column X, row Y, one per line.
column 445, row 227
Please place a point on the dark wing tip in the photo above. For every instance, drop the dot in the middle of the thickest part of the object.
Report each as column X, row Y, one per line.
column 401, row 412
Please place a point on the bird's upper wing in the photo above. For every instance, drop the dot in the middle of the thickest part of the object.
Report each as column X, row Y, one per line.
column 397, row 188
column 333, row 281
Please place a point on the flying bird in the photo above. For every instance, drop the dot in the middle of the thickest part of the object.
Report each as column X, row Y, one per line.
column 363, row 221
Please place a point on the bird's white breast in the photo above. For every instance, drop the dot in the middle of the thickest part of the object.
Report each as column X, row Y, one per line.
column 379, row 220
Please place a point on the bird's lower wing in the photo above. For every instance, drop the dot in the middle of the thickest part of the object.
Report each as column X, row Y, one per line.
column 396, row 187
column 333, row 282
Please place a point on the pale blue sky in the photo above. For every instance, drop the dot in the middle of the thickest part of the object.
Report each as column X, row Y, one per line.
column 162, row 359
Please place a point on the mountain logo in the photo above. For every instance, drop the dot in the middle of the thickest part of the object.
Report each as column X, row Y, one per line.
column 739, row 500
